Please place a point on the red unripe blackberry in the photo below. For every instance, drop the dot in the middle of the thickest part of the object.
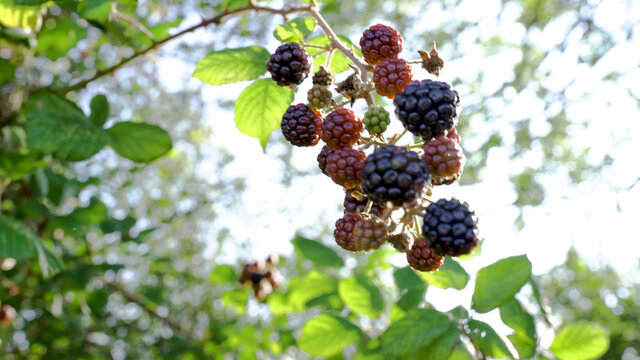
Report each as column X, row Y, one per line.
column 319, row 97
column 341, row 128
column 427, row 108
column 395, row 174
column 391, row 76
column 380, row 42
column 444, row 159
column 289, row 65
column 422, row 258
column 369, row 234
column 301, row 125
column 353, row 205
column 343, row 232
column 322, row 159
column 345, row 167
column 450, row 228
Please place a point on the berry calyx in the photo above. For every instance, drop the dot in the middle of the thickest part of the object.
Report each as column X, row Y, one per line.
column 391, row 76
column 376, row 120
column 353, row 205
column 450, row 228
column 341, row 128
column 319, row 97
column 345, row 167
column 301, row 125
column 289, row 65
column 380, row 42
column 422, row 258
column 444, row 159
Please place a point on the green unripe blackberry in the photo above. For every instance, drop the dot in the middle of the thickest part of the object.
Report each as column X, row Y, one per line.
column 319, row 97
column 376, row 120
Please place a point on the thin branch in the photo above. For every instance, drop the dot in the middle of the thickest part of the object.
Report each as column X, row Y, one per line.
column 131, row 20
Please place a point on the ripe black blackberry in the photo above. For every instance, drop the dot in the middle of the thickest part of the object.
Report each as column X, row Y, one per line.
column 319, row 97
column 369, row 233
column 301, row 125
column 391, row 76
column 345, row 167
column 422, row 258
column 395, row 174
column 353, row 205
column 450, row 228
column 341, row 128
column 380, row 42
column 323, row 77
column 428, row 108
column 376, row 120
column 289, row 65
column 444, row 159
column 322, row 159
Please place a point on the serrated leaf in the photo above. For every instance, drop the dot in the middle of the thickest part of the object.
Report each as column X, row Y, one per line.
column 223, row 274
column 450, row 275
column 138, row 141
column 361, row 295
column 19, row 242
column 524, row 339
column 485, row 339
column 260, row 107
column 232, row 65
column 415, row 330
column 294, row 30
column 499, row 282
column 99, row 110
column 339, row 62
column 319, row 254
column 442, row 347
column 58, row 126
column 56, row 40
column 581, row 341
column 20, row 16
column 7, row 71
column 327, row 335
column 411, row 288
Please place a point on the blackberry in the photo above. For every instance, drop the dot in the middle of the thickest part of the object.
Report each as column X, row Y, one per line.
column 289, row 65
column 391, row 76
column 369, row 234
column 301, row 125
column 380, row 42
column 376, row 120
column 353, row 205
column 341, row 128
column 345, row 167
column 323, row 77
column 343, row 232
column 422, row 258
column 322, row 159
column 428, row 108
column 395, row 174
column 450, row 228
column 444, row 159
column 319, row 97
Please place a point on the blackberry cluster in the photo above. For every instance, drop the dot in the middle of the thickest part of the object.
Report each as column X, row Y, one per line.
column 428, row 108
column 450, row 228
column 444, row 159
column 423, row 258
column 319, row 97
column 353, row 205
column 391, row 76
column 380, row 42
column 345, row 167
column 341, row 128
column 301, row 125
column 289, row 65
column 394, row 174
column 376, row 120
column 262, row 276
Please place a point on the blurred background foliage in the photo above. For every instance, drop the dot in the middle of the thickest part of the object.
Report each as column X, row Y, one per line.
column 128, row 259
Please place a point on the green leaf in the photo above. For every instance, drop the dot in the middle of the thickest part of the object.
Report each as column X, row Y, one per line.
column 485, row 339
column 361, row 295
column 295, row 30
column 499, row 282
column 339, row 62
column 313, row 285
column 223, row 274
column 138, row 141
column 54, row 41
column 16, row 166
column 581, row 341
column 406, row 278
column 461, row 353
column 232, row 65
column 24, row 2
column 411, row 288
column 58, row 126
column 19, row 242
column 7, row 71
column 327, row 335
column 236, row 298
column 450, row 275
column 99, row 110
column 443, row 346
column 26, row 17
column 319, row 254
column 233, row 4
column 415, row 330
column 97, row 10
column 524, row 339
column 260, row 107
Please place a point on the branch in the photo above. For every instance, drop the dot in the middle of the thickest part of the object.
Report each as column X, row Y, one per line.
column 204, row 23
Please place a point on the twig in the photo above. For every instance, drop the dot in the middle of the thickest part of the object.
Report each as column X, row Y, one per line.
column 131, row 20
